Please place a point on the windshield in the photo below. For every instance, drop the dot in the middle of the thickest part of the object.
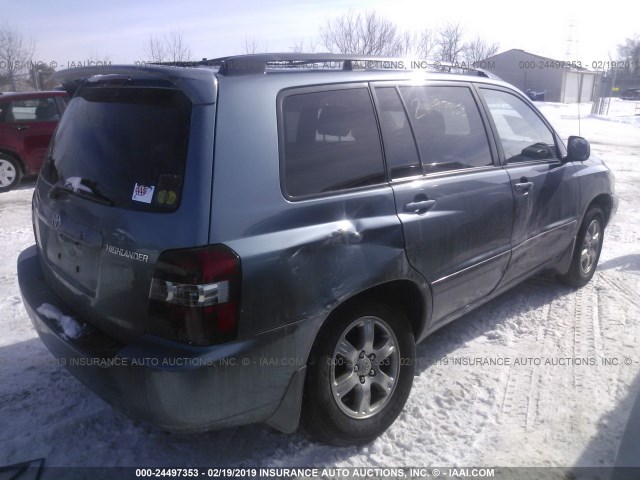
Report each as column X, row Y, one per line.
column 127, row 144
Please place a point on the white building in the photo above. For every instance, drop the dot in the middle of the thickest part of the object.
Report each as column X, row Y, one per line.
column 561, row 81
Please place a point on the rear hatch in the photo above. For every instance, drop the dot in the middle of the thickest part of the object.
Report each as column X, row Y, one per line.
column 128, row 176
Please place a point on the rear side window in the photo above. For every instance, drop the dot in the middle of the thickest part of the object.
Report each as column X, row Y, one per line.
column 448, row 127
column 33, row 110
column 331, row 142
column 124, row 144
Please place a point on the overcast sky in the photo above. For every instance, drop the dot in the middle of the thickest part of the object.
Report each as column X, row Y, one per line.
column 66, row 31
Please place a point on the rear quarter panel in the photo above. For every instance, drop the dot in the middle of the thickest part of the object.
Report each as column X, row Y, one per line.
column 300, row 259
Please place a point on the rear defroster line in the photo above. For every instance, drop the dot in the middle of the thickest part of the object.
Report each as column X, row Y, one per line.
column 28, row 470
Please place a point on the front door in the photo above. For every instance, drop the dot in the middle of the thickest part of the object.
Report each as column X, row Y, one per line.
column 545, row 189
column 454, row 203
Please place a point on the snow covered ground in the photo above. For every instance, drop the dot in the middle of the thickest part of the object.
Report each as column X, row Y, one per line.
column 549, row 399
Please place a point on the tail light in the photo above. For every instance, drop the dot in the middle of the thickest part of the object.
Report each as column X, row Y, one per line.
column 195, row 295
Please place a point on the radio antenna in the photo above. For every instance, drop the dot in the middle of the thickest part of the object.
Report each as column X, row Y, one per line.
column 572, row 61
column 580, row 80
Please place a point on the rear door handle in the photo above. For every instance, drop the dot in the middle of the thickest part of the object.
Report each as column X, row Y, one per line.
column 523, row 187
column 22, row 127
column 419, row 207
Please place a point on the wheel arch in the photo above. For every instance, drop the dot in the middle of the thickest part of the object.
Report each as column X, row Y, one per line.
column 605, row 202
column 15, row 156
column 403, row 294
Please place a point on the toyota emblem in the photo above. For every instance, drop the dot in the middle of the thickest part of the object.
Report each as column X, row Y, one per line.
column 56, row 220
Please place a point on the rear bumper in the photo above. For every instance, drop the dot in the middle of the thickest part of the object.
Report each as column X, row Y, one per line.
column 173, row 386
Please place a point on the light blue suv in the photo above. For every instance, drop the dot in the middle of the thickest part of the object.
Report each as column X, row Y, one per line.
column 265, row 238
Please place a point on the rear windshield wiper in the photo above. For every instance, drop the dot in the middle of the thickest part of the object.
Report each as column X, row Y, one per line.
column 78, row 186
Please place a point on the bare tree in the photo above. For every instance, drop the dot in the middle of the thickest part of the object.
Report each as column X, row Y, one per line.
column 449, row 42
column 249, row 46
column 368, row 34
column 479, row 49
column 177, row 48
column 155, row 50
column 363, row 34
column 95, row 58
column 4, row 80
column 629, row 52
column 426, row 44
column 299, row 47
column 406, row 44
column 16, row 53
column 170, row 48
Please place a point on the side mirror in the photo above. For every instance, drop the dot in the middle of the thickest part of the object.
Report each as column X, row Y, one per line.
column 578, row 149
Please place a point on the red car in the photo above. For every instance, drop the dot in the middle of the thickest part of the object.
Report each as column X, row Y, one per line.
column 27, row 122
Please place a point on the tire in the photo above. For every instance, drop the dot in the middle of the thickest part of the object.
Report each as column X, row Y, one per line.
column 336, row 409
column 587, row 250
column 10, row 173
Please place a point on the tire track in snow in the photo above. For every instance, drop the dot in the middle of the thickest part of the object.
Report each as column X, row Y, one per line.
column 620, row 325
column 544, row 337
column 521, row 405
column 537, row 396
column 628, row 295
column 581, row 341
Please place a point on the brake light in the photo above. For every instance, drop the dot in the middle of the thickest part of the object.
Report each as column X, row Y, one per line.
column 195, row 295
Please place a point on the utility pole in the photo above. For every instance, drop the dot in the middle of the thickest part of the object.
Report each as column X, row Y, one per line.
column 36, row 76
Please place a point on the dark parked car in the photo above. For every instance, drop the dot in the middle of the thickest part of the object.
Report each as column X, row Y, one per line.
column 534, row 95
column 630, row 94
column 266, row 239
column 27, row 122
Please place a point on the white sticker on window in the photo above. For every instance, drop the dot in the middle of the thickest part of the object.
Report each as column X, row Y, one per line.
column 142, row 193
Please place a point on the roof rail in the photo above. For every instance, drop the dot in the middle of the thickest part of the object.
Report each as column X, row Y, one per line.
column 262, row 62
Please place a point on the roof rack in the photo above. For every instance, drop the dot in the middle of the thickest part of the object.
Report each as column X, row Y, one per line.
column 263, row 62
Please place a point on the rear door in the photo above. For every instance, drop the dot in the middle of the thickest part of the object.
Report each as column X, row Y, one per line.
column 545, row 189
column 28, row 126
column 128, row 176
column 454, row 203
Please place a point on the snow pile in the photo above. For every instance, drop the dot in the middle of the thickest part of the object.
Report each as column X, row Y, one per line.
column 623, row 111
column 633, row 120
column 70, row 327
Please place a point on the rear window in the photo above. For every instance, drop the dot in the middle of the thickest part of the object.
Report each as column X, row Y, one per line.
column 124, row 144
